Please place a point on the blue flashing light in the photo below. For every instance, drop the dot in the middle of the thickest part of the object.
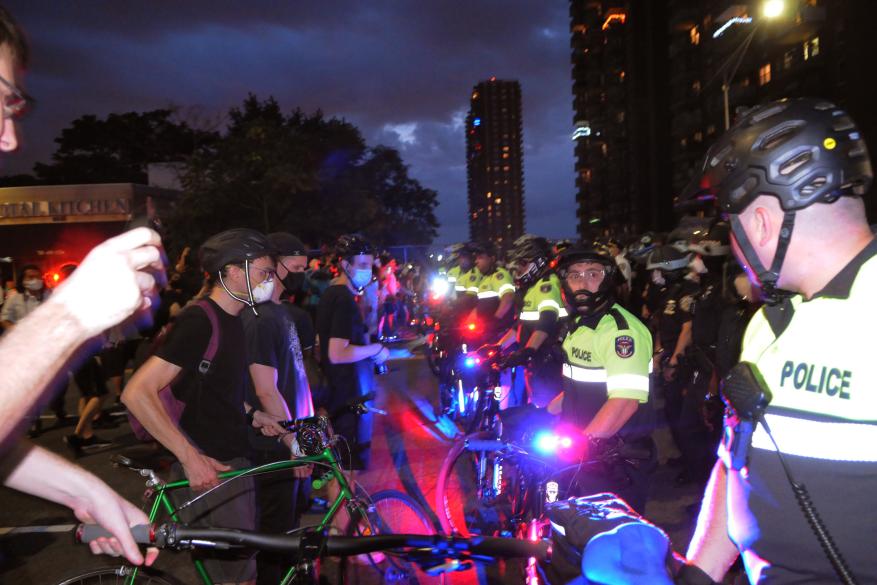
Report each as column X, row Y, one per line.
column 470, row 362
column 545, row 442
column 476, row 122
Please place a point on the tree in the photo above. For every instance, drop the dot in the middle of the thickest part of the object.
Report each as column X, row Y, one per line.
column 302, row 173
column 119, row 148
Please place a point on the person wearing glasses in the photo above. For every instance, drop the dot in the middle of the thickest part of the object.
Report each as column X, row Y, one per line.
column 81, row 308
column 607, row 357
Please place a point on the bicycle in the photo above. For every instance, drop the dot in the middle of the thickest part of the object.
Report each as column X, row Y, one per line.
column 385, row 512
column 504, row 480
column 434, row 554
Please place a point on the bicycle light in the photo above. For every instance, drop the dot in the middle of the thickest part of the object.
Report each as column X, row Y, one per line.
column 549, row 443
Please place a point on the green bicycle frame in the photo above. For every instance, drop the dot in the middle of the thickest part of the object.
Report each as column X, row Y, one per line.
column 162, row 500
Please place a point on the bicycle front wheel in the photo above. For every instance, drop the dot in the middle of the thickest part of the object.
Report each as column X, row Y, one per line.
column 121, row 575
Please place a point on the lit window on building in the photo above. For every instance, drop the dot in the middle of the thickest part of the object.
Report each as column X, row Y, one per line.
column 711, row 129
column 695, row 86
column 489, row 194
column 505, row 155
column 694, row 35
column 585, row 175
column 507, row 168
column 698, row 136
column 683, row 143
column 497, row 200
column 764, row 74
column 620, row 117
column 811, row 48
column 621, row 75
column 788, row 59
column 604, row 148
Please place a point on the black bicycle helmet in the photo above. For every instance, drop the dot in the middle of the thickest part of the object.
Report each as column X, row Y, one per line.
column 667, row 258
column 716, row 241
column 350, row 245
column 801, row 151
column 583, row 301
column 486, row 248
column 286, row 244
column 232, row 247
column 534, row 251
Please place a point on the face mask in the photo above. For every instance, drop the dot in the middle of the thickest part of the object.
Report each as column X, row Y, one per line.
column 293, row 282
column 698, row 266
column 262, row 292
column 658, row 278
column 33, row 285
column 361, row 278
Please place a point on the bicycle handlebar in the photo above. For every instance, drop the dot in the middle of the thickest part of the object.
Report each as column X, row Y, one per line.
column 175, row 536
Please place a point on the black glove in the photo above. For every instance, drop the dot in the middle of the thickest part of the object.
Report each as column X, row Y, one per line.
column 693, row 575
column 488, row 351
column 522, row 357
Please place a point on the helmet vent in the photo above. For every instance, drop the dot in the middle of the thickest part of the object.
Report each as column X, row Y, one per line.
column 822, row 106
column 843, row 124
column 857, row 150
column 815, row 184
column 767, row 113
column 719, row 156
column 795, row 163
column 778, row 136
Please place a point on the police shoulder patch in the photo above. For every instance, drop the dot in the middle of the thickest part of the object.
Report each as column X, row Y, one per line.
column 624, row 346
column 546, row 288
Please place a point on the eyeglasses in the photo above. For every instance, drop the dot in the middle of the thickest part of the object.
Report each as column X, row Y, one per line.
column 14, row 103
column 269, row 273
column 585, row 275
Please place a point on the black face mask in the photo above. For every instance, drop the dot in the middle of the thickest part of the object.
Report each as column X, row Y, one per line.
column 293, row 282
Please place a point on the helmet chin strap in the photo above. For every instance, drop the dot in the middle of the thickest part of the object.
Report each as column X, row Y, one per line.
column 251, row 302
column 767, row 279
column 359, row 289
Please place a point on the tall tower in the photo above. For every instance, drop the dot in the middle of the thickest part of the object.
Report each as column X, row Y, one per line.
column 619, row 124
column 495, row 162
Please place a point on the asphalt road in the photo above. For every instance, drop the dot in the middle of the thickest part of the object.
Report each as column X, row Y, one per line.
column 36, row 543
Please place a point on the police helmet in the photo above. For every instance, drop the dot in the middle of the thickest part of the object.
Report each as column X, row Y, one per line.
column 231, row 247
column 716, row 241
column 667, row 258
column 583, row 301
column 801, row 151
column 486, row 248
column 534, row 251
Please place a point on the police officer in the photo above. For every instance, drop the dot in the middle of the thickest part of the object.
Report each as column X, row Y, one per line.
column 607, row 353
column 496, row 293
column 460, row 262
column 542, row 308
column 791, row 175
column 710, row 246
column 468, row 282
column 672, row 323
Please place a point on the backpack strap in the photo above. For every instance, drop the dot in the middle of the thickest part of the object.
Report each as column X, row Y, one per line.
column 213, row 344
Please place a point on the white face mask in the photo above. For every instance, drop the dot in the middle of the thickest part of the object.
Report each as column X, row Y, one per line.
column 33, row 285
column 698, row 266
column 262, row 292
column 658, row 278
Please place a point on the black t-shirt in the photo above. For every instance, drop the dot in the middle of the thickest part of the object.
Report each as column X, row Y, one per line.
column 272, row 341
column 214, row 415
column 304, row 326
column 674, row 312
column 338, row 316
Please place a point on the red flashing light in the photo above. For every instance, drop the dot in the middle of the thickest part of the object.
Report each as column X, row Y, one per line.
column 471, row 326
column 56, row 277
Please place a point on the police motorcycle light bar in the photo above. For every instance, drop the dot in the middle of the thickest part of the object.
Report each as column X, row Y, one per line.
column 747, row 395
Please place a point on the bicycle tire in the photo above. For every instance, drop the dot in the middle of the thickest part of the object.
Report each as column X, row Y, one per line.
column 394, row 512
column 117, row 576
column 458, row 511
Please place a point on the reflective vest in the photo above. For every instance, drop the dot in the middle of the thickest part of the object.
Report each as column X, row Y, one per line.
column 821, row 367
column 543, row 296
column 609, row 360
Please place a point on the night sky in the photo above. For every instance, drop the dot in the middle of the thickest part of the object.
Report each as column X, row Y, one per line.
column 401, row 71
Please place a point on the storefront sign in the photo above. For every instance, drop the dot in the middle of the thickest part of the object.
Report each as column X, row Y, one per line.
column 23, row 209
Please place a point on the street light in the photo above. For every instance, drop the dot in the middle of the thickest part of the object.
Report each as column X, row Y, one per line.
column 770, row 9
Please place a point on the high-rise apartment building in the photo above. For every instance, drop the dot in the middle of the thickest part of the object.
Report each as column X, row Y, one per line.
column 619, row 122
column 495, row 162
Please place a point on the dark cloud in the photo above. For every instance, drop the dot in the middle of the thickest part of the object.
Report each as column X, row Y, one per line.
column 402, row 71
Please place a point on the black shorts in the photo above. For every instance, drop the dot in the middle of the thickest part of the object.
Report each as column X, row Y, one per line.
column 115, row 358
column 90, row 379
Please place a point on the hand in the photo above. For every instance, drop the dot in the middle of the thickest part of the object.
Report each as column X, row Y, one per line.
column 488, row 351
column 381, row 356
column 522, row 357
column 201, row 471
column 96, row 503
column 116, row 279
column 267, row 424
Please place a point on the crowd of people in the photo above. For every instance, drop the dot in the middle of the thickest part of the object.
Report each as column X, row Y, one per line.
column 610, row 324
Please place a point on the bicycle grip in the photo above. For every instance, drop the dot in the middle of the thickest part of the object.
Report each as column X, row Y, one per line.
column 485, row 445
column 85, row 533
